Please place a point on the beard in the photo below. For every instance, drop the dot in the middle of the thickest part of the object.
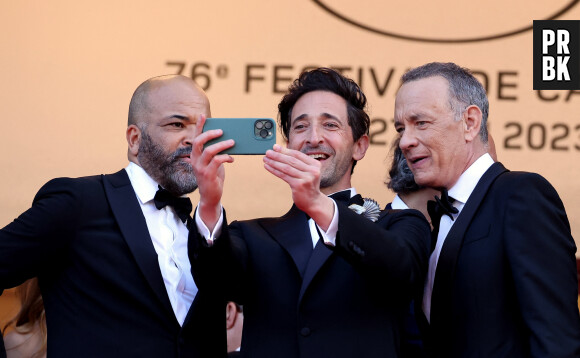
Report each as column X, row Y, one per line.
column 333, row 173
column 167, row 169
column 334, row 170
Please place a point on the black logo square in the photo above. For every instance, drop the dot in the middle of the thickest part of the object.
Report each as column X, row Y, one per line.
column 556, row 54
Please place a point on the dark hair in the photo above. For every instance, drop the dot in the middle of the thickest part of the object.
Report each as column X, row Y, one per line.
column 401, row 177
column 31, row 313
column 464, row 89
column 326, row 79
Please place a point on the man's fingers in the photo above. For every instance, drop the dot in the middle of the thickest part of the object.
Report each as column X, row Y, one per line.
column 218, row 160
column 274, row 171
column 290, row 180
column 212, row 150
column 292, row 158
column 289, row 169
column 201, row 139
column 295, row 154
column 199, row 125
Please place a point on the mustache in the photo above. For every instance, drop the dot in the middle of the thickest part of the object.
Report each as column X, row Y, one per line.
column 179, row 153
column 319, row 148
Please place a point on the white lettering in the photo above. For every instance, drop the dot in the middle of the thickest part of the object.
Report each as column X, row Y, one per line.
column 548, row 71
column 563, row 68
column 548, row 39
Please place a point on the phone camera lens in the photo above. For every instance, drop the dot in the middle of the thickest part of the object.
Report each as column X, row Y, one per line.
column 268, row 125
column 259, row 124
column 263, row 133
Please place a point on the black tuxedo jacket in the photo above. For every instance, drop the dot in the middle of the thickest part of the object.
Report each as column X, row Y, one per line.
column 299, row 302
column 506, row 284
column 87, row 241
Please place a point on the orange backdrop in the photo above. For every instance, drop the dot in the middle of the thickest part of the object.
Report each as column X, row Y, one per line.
column 68, row 69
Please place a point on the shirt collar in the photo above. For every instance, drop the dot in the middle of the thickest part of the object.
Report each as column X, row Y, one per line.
column 398, row 203
column 145, row 187
column 469, row 179
column 351, row 189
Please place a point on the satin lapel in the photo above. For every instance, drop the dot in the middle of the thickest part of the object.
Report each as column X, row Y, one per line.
column 292, row 233
column 319, row 256
column 129, row 216
column 441, row 300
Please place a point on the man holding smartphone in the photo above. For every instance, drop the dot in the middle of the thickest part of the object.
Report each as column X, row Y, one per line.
column 110, row 251
column 323, row 280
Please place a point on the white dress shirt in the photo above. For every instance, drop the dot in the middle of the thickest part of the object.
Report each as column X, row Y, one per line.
column 398, row 203
column 169, row 236
column 328, row 236
column 460, row 192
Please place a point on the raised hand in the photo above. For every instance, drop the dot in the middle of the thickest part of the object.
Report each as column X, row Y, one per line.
column 209, row 171
column 302, row 173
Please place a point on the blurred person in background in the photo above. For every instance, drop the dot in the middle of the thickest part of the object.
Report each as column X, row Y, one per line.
column 25, row 333
column 234, row 326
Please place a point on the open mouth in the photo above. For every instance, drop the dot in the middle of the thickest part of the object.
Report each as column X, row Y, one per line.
column 416, row 160
column 318, row 156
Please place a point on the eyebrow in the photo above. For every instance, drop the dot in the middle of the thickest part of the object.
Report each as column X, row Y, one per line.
column 412, row 118
column 324, row 114
column 178, row 116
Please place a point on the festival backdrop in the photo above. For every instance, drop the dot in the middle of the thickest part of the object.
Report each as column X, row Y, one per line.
column 68, row 69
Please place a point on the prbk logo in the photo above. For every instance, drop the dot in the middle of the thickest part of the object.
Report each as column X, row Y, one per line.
column 557, row 54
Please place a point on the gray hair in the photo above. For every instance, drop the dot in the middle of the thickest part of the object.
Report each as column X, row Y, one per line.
column 464, row 89
column 401, row 179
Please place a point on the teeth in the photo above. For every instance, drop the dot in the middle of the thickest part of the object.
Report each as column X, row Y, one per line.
column 317, row 156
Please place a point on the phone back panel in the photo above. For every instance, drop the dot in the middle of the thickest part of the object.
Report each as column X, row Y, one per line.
column 252, row 135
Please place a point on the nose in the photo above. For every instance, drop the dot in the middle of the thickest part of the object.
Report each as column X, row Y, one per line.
column 314, row 135
column 189, row 136
column 407, row 141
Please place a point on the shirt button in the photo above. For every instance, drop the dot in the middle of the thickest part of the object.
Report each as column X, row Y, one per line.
column 305, row 332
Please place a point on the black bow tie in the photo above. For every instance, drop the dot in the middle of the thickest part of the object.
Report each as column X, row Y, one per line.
column 441, row 206
column 182, row 206
column 344, row 197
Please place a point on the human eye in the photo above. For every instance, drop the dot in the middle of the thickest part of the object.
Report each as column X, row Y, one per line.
column 331, row 125
column 298, row 126
column 176, row 125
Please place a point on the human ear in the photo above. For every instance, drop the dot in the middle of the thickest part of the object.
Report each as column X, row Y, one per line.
column 133, row 135
column 472, row 122
column 231, row 315
column 360, row 147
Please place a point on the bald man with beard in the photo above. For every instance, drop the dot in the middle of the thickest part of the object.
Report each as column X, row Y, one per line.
column 110, row 251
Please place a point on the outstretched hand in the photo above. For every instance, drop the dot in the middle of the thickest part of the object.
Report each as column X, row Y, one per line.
column 209, row 171
column 302, row 173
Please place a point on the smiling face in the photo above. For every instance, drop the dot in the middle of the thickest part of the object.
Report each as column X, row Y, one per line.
column 160, row 141
column 433, row 142
column 319, row 128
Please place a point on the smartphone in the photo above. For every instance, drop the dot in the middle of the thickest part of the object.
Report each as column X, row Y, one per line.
column 252, row 135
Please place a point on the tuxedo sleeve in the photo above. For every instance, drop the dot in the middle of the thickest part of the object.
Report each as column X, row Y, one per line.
column 218, row 266
column 392, row 251
column 37, row 239
column 541, row 254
